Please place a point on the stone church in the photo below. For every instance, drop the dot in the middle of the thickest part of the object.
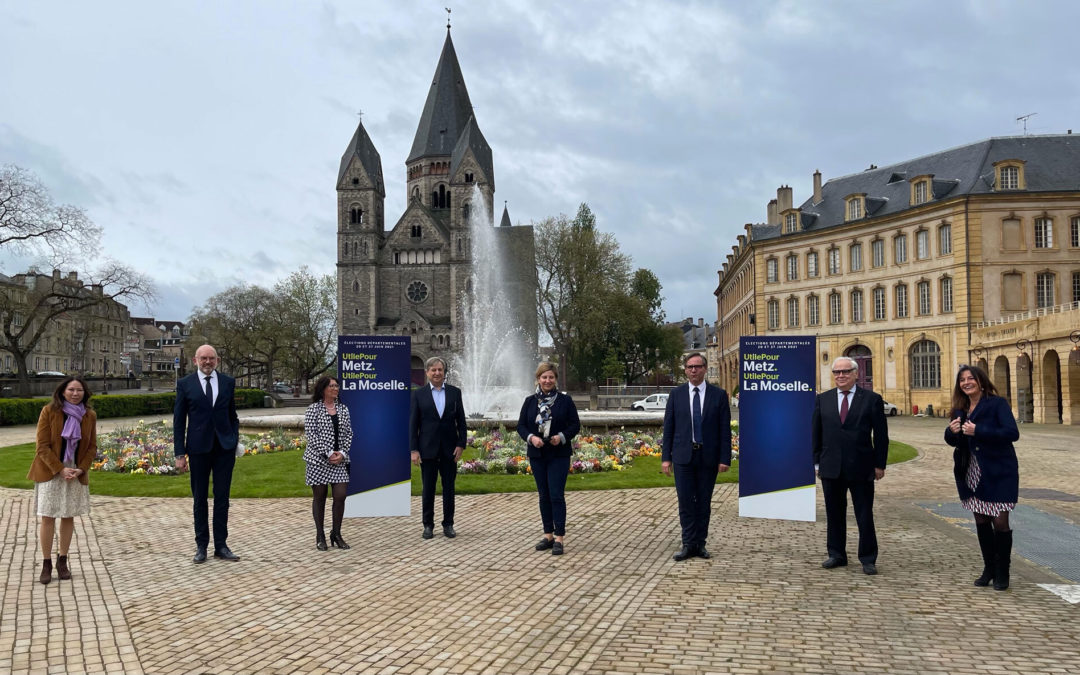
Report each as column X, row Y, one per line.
column 410, row 280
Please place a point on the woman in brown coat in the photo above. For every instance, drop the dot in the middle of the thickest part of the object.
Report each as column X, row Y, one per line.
column 66, row 446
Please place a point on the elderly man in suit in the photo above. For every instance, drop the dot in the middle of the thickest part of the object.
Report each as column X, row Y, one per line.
column 206, row 431
column 697, row 441
column 850, row 438
column 437, row 437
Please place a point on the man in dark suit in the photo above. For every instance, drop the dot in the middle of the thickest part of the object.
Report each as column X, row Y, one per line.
column 851, row 445
column 437, row 437
column 697, row 440
column 206, row 431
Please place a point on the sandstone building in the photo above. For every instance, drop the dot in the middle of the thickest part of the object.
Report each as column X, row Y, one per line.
column 409, row 280
column 968, row 255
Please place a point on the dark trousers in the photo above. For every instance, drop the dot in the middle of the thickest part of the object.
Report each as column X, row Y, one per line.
column 442, row 465
column 550, row 473
column 694, row 483
column 218, row 462
column 862, row 499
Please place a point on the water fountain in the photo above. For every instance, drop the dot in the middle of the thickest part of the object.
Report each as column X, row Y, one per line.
column 495, row 369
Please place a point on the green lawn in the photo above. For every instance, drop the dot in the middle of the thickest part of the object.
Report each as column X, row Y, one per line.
column 282, row 475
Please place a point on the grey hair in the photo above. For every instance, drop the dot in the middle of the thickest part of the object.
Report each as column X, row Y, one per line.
column 853, row 362
column 433, row 360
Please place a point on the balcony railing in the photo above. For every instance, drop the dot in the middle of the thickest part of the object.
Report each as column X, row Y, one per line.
column 1030, row 314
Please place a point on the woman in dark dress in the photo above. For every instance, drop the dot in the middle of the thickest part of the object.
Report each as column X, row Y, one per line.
column 548, row 423
column 329, row 434
column 983, row 430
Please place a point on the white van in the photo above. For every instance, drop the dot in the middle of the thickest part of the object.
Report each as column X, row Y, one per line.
column 654, row 402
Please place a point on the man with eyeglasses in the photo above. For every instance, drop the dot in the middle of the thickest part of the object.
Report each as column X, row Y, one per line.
column 850, row 437
column 697, row 441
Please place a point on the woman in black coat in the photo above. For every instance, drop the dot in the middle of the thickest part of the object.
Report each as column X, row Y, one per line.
column 548, row 423
column 984, row 464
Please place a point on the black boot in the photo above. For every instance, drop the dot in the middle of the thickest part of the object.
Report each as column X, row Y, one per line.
column 336, row 540
column 1003, row 552
column 320, row 541
column 986, row 545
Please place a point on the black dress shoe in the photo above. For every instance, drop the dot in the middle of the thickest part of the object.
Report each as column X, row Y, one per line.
column 869, row 568
column 320, row 542
column 200, row 555
column 428, row 533
column 684, row 553
column 557, row 548
column 832, row 562
column 544, row 544
column 703, row 552
column 448, row 531
column 224, row 553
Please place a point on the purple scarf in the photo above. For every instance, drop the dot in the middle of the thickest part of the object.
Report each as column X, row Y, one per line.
column 72, row 429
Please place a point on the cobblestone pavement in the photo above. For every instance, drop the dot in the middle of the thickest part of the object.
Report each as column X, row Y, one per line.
column 487, row 603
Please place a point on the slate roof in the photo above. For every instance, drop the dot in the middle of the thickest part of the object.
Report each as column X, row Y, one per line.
column 473, row 139
column 362, row 147
column 1052, row 164
column 446, row 110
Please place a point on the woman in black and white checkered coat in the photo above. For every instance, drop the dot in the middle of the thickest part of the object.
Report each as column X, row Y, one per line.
column 329, row 435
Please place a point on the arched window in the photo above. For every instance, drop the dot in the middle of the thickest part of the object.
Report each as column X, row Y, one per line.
column 440, row 198
column 925, row 365
column 356, row 286
column 356, row 215
column 773, row 308
column 466, row 211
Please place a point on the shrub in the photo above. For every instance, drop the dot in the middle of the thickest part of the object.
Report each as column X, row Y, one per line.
column 26, row 410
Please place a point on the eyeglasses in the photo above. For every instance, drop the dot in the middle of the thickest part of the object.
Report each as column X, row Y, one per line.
column 843, row 372
column 694, row 367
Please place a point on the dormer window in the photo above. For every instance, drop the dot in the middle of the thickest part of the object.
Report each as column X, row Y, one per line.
column 920, row 191
column 1010, row 175
column 855, row 208
column 791, row 223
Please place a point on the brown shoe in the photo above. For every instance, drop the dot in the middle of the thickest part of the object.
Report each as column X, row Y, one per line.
column 46, row 571
column 62, row 570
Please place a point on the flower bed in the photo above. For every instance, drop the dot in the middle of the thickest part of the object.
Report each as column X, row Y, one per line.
column 148, row 448
column 503, row 452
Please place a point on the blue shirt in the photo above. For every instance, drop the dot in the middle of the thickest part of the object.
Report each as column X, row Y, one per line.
column 439, row 396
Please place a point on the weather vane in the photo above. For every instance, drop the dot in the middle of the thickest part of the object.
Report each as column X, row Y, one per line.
column 447, row 17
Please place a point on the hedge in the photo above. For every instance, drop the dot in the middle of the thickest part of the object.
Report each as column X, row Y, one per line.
column 26, row 410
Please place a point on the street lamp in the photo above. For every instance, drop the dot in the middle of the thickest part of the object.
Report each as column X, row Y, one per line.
column 1023, row 360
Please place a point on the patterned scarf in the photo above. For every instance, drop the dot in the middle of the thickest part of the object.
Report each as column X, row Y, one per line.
column 72, row 431
column 543, row 415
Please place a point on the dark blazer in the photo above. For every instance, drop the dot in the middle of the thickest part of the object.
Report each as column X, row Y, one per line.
column 992, row 447
column 319, row 432
column 677, row 445
column 564, row 420
column 196, row 423
column 49, row 458
column 851, row 450
column 428, row 433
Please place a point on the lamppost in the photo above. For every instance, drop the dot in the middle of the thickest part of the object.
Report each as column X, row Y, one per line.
column 1022, row 360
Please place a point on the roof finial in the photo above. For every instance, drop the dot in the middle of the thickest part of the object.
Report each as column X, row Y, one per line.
column 447, row 19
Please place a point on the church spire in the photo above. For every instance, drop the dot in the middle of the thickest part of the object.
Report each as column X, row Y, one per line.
column 446, row 110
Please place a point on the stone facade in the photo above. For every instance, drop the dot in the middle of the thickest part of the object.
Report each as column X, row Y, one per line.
column 915, row 268
column 409, row 280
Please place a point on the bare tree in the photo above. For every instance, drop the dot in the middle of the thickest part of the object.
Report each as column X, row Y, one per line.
column 30, row 304
column 309, row 304
column 31, row 223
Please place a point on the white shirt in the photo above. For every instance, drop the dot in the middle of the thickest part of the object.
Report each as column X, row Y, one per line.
column 701, row 389
column 213, row 384
column 840, row 397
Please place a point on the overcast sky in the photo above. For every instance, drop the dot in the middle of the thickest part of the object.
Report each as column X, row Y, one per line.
column 204, row 137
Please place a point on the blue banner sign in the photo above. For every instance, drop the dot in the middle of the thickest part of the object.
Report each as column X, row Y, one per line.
column 776, row 400
column 374, row 376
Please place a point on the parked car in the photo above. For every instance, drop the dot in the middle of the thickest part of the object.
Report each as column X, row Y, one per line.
column 50, row 373
column 281, row 388
column 890, row 409
column 653, row 402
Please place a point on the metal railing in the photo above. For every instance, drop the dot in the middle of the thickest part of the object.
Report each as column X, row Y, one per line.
column 1030, row 314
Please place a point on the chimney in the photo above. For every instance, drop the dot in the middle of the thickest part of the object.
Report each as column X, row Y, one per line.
column 56, row 274
column 783, row 199
column 97, row 289
column 700, row 322
column 817, row 187
column 73, row 276
column 771, row 217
